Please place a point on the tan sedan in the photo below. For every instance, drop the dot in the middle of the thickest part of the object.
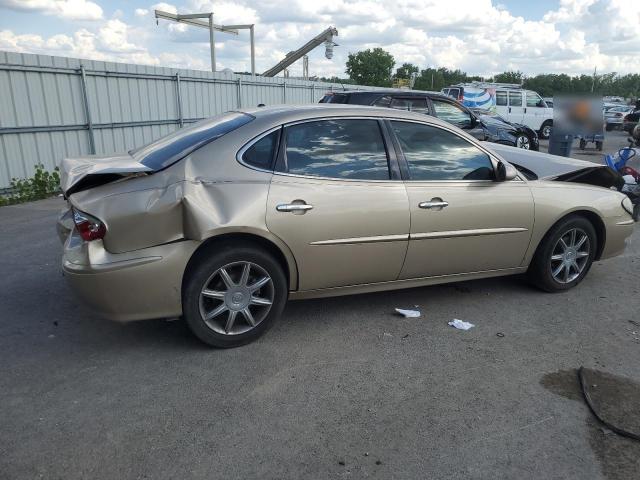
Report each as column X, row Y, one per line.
column 223, row 221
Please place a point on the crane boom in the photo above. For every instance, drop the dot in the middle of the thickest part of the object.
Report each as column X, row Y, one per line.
column 291, row 57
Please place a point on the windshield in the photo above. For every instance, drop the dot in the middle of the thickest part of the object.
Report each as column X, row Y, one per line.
column 177, row 145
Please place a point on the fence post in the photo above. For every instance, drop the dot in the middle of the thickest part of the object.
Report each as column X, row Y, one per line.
column 87, row 110
column 239, row 92
column 313, row 93
column 179, row 101
column 284, row 92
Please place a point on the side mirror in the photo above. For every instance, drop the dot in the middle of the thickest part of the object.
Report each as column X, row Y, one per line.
column 505, row 172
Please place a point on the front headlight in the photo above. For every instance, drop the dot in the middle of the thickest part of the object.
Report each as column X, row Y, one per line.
column 627, row 204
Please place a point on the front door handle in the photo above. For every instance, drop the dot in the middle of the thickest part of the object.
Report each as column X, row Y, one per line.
column 434, row 203
column 294, row 207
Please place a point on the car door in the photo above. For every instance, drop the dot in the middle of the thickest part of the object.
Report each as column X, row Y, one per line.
column 337, row 200
column 515, row 112
column 459, row 116
column 462, row 220
column 535, row 111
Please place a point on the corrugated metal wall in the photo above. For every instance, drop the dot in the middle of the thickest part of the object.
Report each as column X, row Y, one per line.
column 56, row 107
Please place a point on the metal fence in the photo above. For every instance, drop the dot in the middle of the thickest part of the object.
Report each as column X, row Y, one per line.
column 56, row 107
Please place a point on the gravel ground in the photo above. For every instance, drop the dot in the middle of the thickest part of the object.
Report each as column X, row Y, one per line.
column 340, row 388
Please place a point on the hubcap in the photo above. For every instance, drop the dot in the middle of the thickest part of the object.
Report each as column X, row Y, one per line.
column 546, row 131
column 236, row 298
column 570, row 255
column 522, row 142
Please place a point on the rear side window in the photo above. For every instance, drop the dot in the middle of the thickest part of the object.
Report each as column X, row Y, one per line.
column 177, row 145
column 515, row 99
column 262, row 152
column 501, row 98
column 436, row 154
column 418, row 105
column 343, row 149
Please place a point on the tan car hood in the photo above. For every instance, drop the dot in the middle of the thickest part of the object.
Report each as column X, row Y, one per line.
column 86, row 172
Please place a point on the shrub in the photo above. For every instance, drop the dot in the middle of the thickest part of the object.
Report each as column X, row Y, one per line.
column 43, row 184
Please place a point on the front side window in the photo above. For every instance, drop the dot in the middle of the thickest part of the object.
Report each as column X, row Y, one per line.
column 343, row 149
column 418, row 105
column 534, row 100
column 501, row 99
column 436, row 154
column 452, row 113
column 262, row 152
column 515, row 99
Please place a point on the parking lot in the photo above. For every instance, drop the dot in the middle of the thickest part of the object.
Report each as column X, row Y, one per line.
column 340, row 388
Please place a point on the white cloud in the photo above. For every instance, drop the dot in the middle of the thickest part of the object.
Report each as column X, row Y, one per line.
column 478, row 36
column 68, row 9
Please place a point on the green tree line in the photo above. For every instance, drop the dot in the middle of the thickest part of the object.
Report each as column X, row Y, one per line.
column 375, row 67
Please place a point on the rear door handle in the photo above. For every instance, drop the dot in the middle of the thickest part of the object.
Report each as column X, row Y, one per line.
column 293, row 207
column 433, row 204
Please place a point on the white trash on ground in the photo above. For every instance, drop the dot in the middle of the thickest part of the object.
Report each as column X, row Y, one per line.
column 408, row 313
column 461, row 325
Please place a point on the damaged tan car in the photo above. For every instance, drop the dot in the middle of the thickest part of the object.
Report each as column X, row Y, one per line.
column 223, row 221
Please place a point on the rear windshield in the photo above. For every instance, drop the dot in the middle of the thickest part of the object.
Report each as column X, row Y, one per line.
column 335, row 98
column 177, row 145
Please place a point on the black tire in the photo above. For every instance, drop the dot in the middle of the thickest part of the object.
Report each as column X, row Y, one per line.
column 609, row 127
column 199, row 273
column 540, row 270
column 583, row 144
column 542, row 131
column 599, row 146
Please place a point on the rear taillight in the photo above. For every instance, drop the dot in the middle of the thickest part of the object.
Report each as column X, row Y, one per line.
column 460, row 98
column 89, row 228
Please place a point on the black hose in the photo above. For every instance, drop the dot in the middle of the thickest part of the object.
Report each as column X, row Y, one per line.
column 587, row 399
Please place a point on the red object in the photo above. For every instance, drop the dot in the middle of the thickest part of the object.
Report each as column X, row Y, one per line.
column 89, row 228
column 630, row 171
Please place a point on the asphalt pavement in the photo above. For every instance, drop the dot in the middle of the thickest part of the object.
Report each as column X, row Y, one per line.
column 340, row 388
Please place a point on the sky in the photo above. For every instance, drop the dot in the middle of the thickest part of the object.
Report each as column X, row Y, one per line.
column 481, row 37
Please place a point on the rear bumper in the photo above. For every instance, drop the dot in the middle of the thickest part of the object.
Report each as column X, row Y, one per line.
column 137, row 285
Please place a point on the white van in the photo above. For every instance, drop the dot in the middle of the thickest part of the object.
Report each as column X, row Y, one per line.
column 510, row 101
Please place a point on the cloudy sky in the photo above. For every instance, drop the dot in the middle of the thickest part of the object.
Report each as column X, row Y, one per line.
column 479, row 36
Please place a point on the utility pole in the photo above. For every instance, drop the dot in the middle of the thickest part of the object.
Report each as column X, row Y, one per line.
column 194, row 19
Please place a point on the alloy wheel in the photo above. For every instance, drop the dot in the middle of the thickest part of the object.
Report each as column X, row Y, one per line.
column 570, row 255
column 546, row 131
column 522, row 141
column 236, row 298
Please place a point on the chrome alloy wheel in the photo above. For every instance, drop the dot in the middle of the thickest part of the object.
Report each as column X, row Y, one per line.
column 522, row 141
column 546, row 131
column 570, row 256
column 236, row 298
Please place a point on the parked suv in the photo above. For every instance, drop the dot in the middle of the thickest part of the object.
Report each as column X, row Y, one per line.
column 510, row 101
column 438, row 105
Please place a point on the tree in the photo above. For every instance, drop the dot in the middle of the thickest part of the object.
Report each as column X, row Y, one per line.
column 406, row 70
column 508, row 77
column 371, row 67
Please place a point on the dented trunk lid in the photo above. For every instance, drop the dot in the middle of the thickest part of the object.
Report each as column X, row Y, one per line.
column 81, row 173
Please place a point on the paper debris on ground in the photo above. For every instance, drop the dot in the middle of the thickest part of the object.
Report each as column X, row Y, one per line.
column 408, row 313
column 460, row 325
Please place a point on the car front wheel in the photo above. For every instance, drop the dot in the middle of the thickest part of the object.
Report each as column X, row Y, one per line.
column 545, row 130
column 233, row 296
column 565, row 255
column 522, row 141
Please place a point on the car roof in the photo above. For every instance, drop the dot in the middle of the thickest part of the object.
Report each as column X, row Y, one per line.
column 387, row 91
column 280, row 114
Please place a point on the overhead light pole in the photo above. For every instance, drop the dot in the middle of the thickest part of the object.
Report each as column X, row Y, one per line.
column 194, row 19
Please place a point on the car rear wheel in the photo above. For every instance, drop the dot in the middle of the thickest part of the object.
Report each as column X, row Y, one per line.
column 233, row 296
column 545, row 130
column 522, row 141
column 565, row 255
